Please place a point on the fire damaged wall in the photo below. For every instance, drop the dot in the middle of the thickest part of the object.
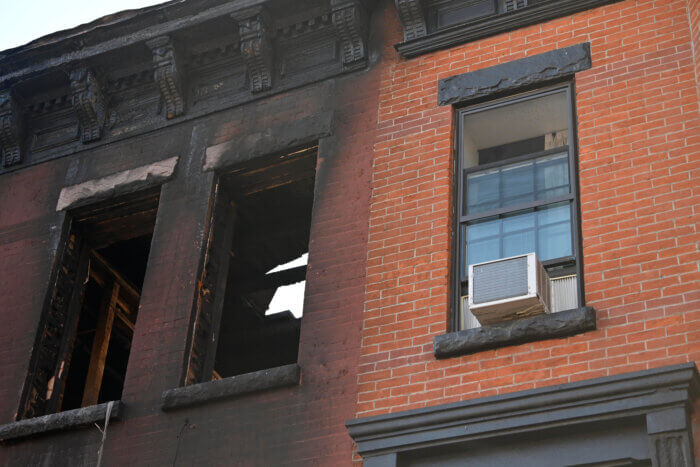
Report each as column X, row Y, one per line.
column 301, row 424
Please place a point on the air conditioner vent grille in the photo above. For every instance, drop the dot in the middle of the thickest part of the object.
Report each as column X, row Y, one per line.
column 500, row 279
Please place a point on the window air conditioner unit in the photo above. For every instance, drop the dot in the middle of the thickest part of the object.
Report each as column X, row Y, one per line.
column 508, row 288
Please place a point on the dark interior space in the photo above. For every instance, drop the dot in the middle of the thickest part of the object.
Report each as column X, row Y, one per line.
column 273, row 206
column 118, row 241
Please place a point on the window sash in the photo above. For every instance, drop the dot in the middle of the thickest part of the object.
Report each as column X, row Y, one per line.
column 575, row 260
column 533, row 170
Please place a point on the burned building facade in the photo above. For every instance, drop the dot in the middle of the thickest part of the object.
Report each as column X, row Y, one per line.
column 270, row 232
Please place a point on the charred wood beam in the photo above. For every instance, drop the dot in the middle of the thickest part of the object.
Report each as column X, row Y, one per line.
column 254, row 29
column 88, row 102
column 212, row 290
column 412, row 16
column 350, row 22
column 98, row 355
column 51, row 357
column 273, row 280
column 167, row 75
column 11, row 128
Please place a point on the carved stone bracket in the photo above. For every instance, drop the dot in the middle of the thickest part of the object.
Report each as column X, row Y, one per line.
column 254, row 28
column 670, row 439
column 350, row 22
column 412, row 16
column 167, row 75
column 88, row 102
column 11, row 129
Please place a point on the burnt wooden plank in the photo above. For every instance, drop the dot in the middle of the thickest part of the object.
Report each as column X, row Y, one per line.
column 212, row 290
column 98, row 355
column 48, row 368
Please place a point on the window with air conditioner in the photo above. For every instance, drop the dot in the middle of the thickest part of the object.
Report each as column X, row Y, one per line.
column 518, row 198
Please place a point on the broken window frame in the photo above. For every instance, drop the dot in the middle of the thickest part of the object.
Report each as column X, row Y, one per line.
column 200, row 358
column 49, row 364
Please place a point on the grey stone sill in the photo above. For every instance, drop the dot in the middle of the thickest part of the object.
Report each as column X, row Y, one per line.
column 60, row 421
column 226, row 388
column 549, row 326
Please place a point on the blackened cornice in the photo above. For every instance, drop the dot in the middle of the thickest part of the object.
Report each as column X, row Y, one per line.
column 139, row 71
column 416, row 44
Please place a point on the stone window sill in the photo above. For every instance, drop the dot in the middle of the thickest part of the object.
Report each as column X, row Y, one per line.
column 60, row 421
column 549, row 326
column 226, row 388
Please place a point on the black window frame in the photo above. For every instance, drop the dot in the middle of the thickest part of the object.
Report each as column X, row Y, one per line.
column 565, row 265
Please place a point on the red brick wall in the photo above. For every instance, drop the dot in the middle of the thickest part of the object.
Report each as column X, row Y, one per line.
column 639, row 135
column 694, row 19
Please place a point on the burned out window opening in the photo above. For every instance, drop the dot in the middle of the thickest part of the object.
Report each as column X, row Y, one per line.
column 84, row 339
column 251, row 303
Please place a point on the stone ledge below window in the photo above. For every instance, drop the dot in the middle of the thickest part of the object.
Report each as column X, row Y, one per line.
column 548, row 326
column 196, row 394
column 61, row 421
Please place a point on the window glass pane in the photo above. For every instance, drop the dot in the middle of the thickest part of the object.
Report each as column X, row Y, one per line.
column 552, row 173
column 518, row 183
column 513, row 184
column 483, row 239
column 483, row 191
column 514, row 129
column 519, row 234
column 554, row 231
column 545, row 230
column 487, row 228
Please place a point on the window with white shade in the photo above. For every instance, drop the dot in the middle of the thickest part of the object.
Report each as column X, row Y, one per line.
column 517, row 184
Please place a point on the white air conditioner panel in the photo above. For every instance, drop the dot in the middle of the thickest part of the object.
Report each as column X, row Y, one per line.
column 508, row 288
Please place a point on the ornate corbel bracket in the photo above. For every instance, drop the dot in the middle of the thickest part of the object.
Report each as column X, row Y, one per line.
column 167, row 75
column 412, row 16
column 11, row 129
column 254, row 29
column 350, row 21
column 670, row 437
column 88, row 102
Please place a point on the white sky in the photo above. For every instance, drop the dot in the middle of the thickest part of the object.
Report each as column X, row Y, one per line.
column 22, row 21
column 289, row 297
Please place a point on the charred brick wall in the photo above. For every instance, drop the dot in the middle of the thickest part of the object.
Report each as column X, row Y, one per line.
column 638, row 127
column 301, row 425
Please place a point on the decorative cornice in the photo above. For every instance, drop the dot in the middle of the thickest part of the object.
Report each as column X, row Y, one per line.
column 88, row 102
column 256, row 47
column 350, row 22
column 167, row 75
column 511, row 5
column 205, row 77
column 308, row 25
column 412, row 16
column 11, row 129
column 495, row 24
